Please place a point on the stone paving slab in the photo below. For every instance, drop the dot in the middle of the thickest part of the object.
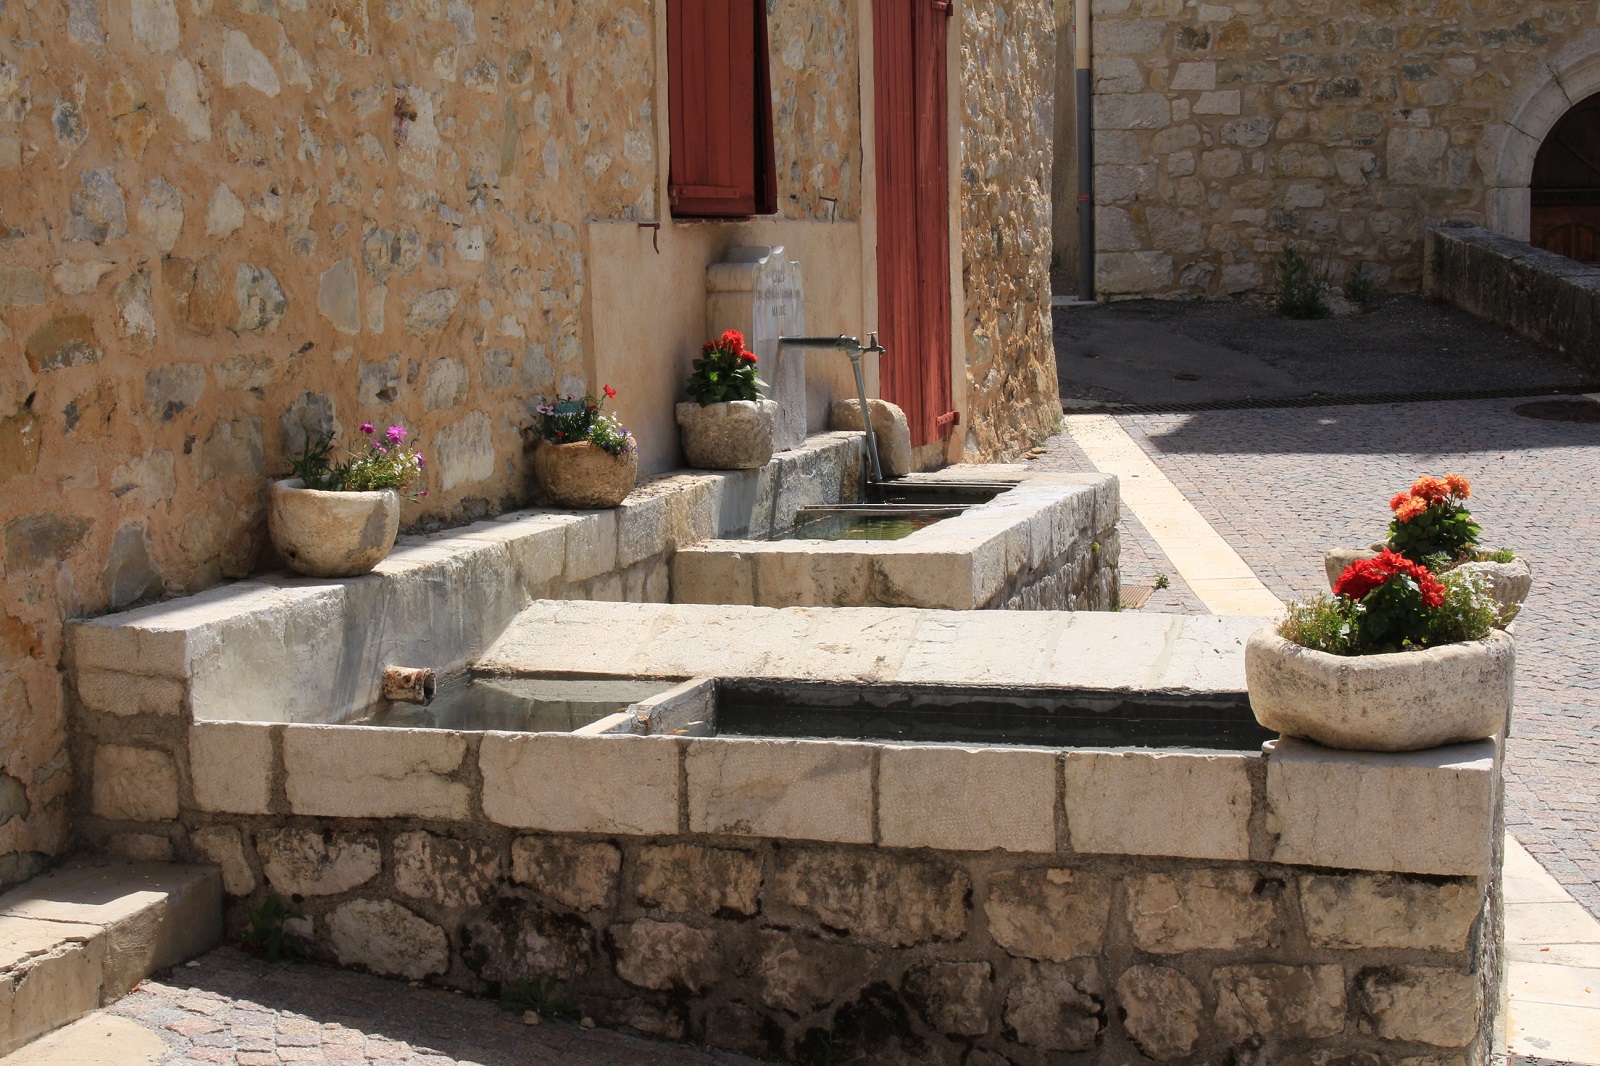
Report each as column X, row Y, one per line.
column 234, row 1009
column 1283, row 485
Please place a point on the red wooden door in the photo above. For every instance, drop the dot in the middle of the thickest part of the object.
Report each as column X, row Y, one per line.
column 912, row 142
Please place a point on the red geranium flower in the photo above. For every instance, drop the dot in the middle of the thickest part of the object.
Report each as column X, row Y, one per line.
column 733, row 340
column 748, row 357
column 1364, row 575
column 611, row 394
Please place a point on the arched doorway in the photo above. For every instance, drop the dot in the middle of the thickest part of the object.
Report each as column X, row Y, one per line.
column 1565, row 191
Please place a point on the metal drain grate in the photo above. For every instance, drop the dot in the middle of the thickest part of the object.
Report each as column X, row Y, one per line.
column 1134, row 597
column 1560, row 410
column 1321, row 400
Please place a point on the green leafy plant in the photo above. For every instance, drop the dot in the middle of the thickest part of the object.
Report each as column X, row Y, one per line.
column 1431, row 521
column 576, row 419
column 266, row 931
column 1361, row 288
column 380, row 462
column 1298, row 284
column 725, row 371
column 1323, row 623
column 538, row 995
column 1499, row 555
column 1469, row 611
column 1162, row 581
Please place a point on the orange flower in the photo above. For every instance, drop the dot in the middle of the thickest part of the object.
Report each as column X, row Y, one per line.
column 1431, row 489
column 1399, row 500
column 1414, row 506
column 1459, row 486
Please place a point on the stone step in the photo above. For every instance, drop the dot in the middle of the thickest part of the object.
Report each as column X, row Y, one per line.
column 84, row 935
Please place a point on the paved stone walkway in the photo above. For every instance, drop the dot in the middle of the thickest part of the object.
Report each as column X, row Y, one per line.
column 1282, row 485
column 234, row 1010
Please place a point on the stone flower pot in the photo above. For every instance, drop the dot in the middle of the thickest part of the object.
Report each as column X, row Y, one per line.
column 581, row 475
column 331, row 534
column 1509, row 583
column 1401, row 702
column 1336, row 560
column 736, row 435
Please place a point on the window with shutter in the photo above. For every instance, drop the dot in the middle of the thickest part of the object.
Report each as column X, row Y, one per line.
column 720, row 114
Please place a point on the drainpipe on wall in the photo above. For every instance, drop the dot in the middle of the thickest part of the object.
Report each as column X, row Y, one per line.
column 1085, row 97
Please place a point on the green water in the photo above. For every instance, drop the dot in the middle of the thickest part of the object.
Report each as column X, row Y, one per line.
column 858, row 527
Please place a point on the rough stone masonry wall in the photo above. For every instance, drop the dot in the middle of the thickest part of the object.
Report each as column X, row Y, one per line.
column 1007, row 71
column 854, row 902
column 1224, row 130
column 227, row 225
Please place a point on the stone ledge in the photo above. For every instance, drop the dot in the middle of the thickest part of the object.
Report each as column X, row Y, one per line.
column 1159, row 803
column 967, row 799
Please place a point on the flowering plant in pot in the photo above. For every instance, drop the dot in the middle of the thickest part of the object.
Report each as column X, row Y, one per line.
column 338, row 518
column 585, row 458
column 1396, row 659
column 728, row 425
column 1432, row 526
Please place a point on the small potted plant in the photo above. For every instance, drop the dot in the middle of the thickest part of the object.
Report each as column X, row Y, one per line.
column 728, row 425
column 1433, row 527
column 585, row 458
column 1396, row 660
column 339, row 519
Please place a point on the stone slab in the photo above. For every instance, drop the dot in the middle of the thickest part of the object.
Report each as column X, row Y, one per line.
column 574, row 784
column 1427, row 812
column 1159, row 803
column 788, row 789
column 370, row 772
column 50, row 973
column 96, row 1039
column 967, row 799
column 230, row 766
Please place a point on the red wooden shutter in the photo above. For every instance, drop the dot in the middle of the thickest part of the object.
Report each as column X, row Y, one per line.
column 909, row 42
column 720, row 108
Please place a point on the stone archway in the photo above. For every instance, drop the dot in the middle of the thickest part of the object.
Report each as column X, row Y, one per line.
column 1540, row 99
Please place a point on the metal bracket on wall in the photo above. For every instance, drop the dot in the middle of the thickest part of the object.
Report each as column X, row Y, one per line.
column 655, row 234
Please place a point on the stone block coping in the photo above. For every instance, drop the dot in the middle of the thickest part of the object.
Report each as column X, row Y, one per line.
column 81, row 937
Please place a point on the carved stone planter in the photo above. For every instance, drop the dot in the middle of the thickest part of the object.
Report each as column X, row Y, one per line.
column 331, row 534
column 1336, row 560
column 581, row 475
column 736, row 435
column 1401, row 702
column 1510, row 584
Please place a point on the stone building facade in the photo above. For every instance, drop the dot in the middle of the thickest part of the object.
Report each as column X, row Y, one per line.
column 228, row 225
column 1226, row 130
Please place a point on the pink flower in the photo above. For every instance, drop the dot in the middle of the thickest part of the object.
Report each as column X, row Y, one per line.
column 424, row 492
column 368, row 428
column 421, row 462
column 396, row 434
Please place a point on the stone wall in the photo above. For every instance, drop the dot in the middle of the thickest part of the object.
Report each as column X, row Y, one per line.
column 1548, row 298
column 1224, row 131
column 1006, row 133
column 876, row 903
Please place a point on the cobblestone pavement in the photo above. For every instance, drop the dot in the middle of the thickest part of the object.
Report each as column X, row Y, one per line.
column 1282, row 485
column 234, row 1010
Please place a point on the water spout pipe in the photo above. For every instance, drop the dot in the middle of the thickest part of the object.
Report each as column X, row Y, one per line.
column 851, row 346
column 409, row 684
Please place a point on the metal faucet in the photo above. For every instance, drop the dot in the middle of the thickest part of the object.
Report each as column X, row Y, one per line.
column 853, row 347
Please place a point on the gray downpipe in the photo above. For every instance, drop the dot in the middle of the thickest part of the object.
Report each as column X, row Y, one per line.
column 1085, row 98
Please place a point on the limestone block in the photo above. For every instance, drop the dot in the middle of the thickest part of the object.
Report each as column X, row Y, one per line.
column 665, row 955
column 1127, row 272
column 1222, row 102
column 1399, row 702
column 1386, row 911
column 1161, row 1011
column 50, row 973
column 888, row 423
column 801, row 973
column 512, row 938
column 591, row 547
column 1149, row 803
column 1195, row 77
column 536, row 543
column 926, row 577
column 791, row 790
column 222, row 846
column 1279, row 1002
column 114, row 692
column 575, row 874
column 953, row 996
column 1225, row 910
column 387, row 939
column 967, row 799
column 134, row 784
column 1424, row 1004
column 1057, row 1007
column 1426, row 812
column 304, row 862
column 563, row 783
column 1132, row 111
column 452, row 873
column 1051, row 914
column 877, row 896
column 641, row 529
column 712, row 576
column 687, row 877
column 230, row 766
column 1128, row 37
column 735, row 435
column 361, row 772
